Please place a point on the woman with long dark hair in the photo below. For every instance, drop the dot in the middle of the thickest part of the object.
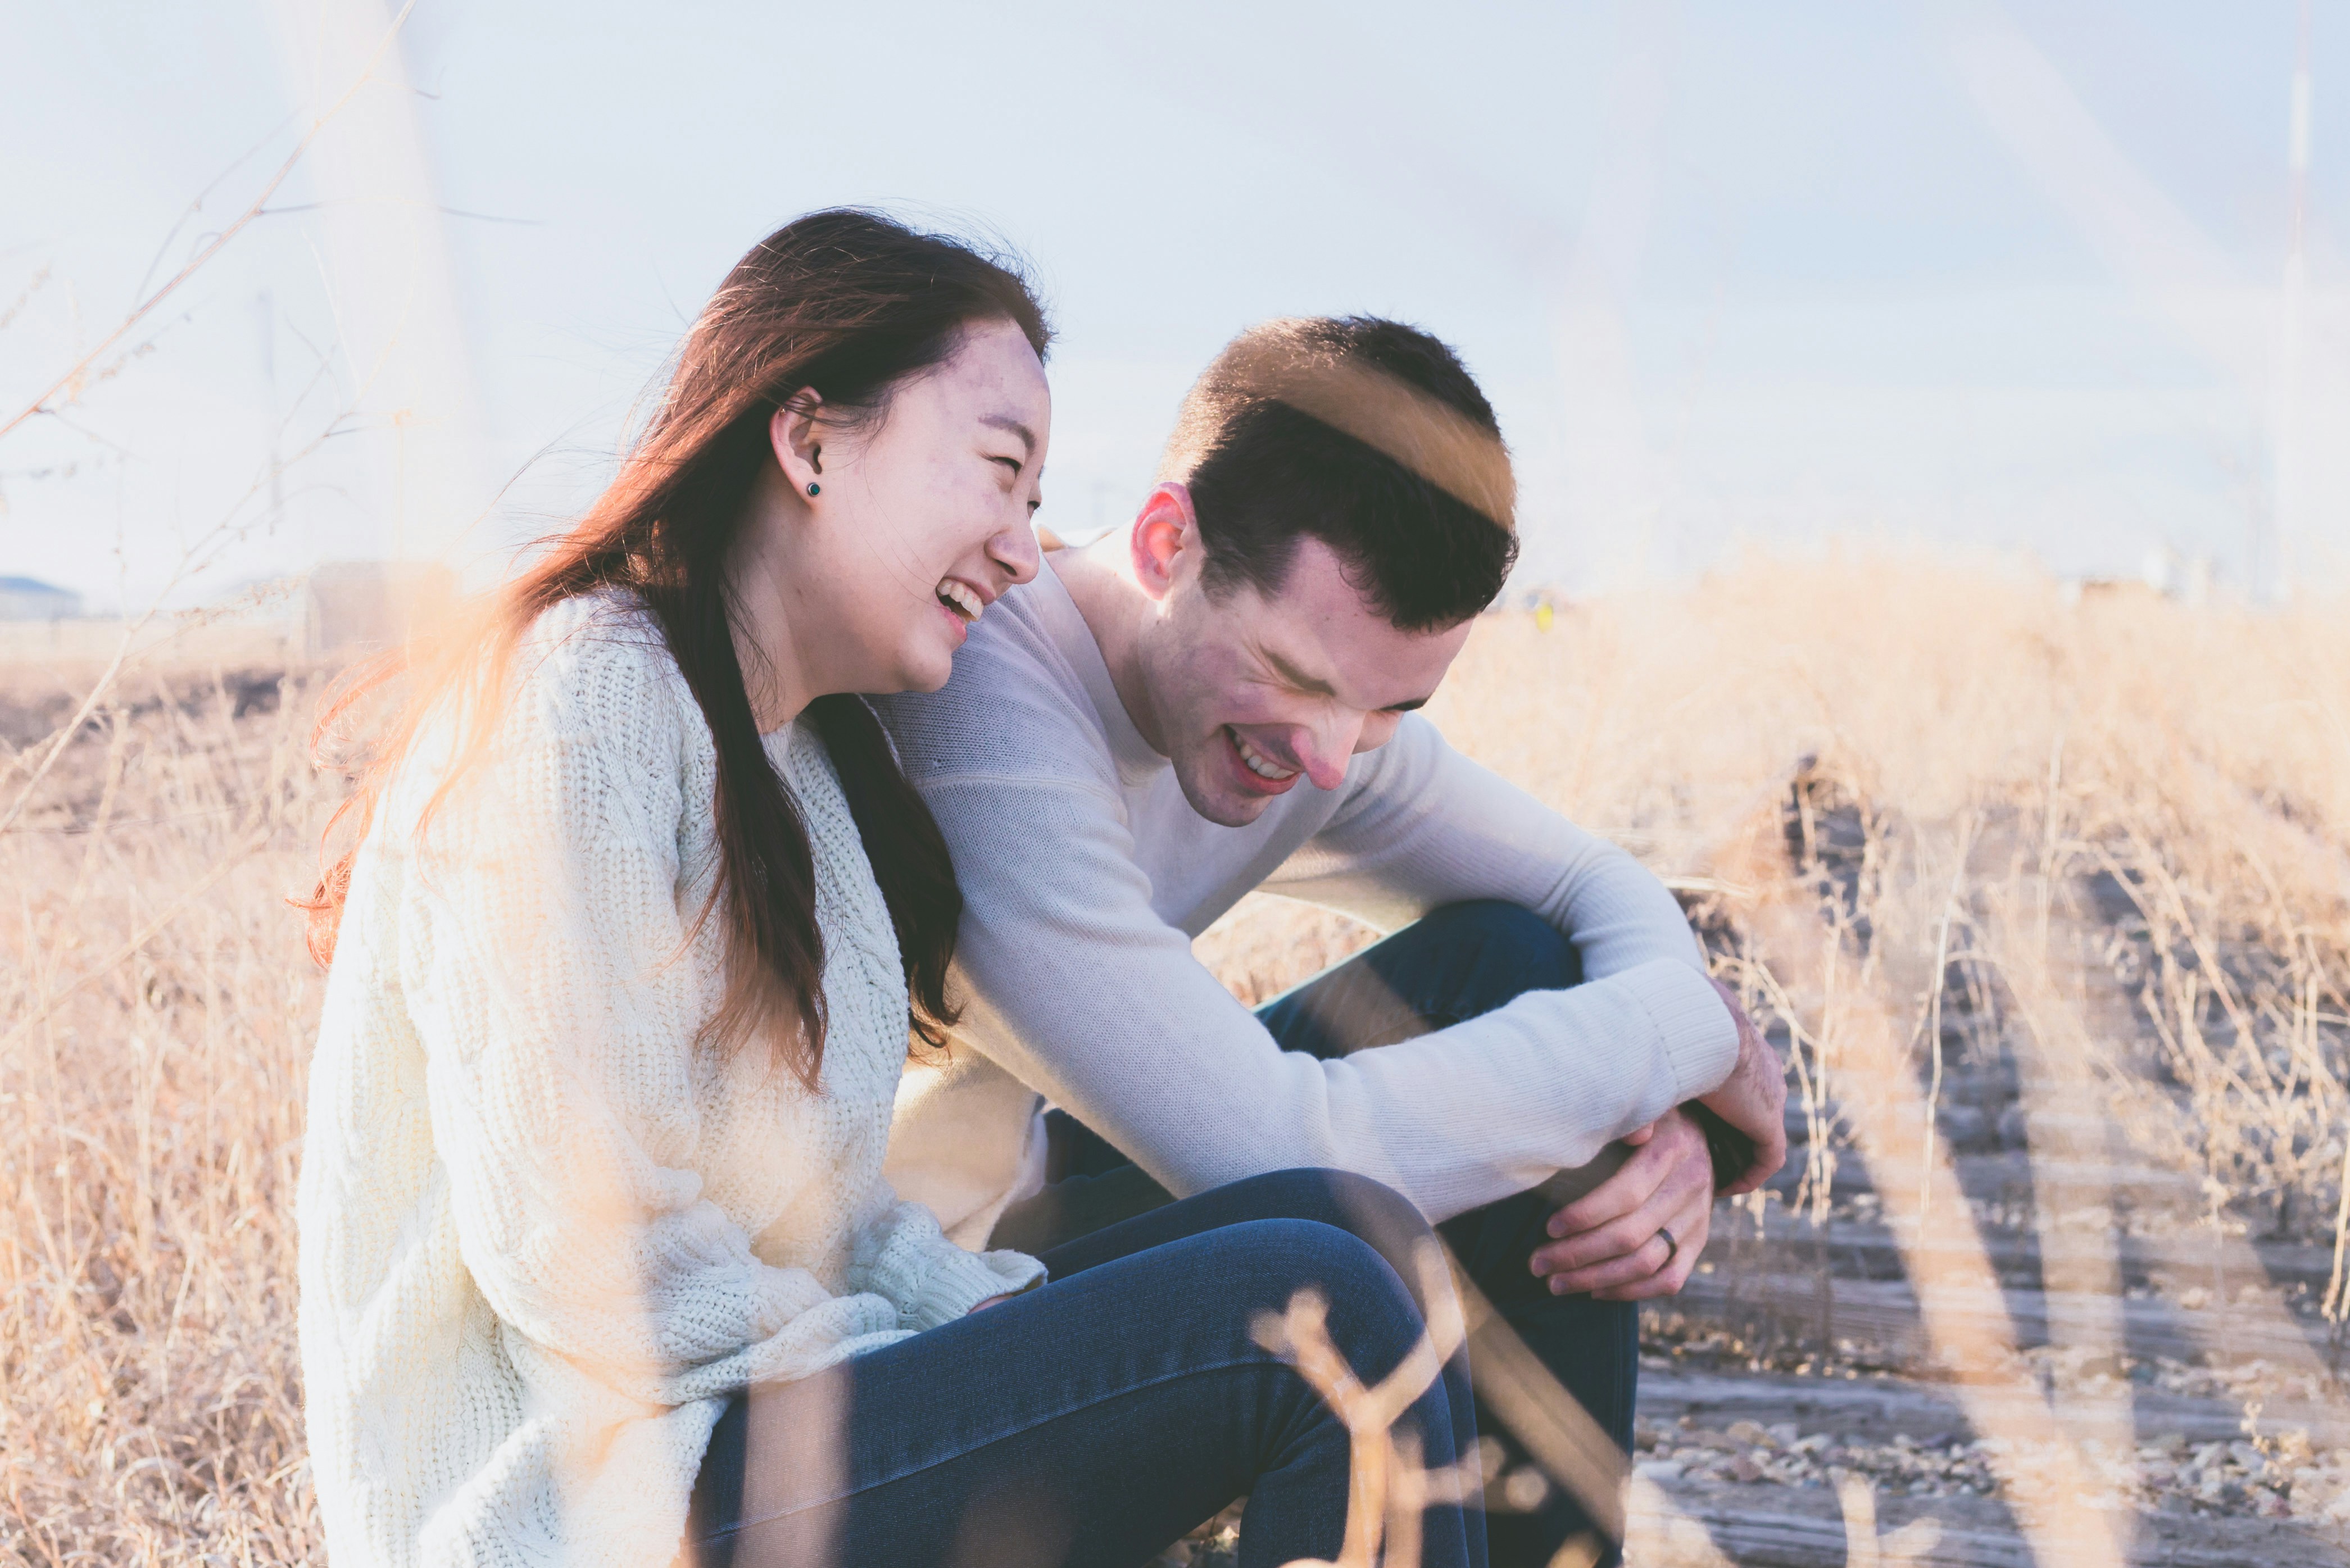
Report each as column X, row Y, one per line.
column 598, row 1263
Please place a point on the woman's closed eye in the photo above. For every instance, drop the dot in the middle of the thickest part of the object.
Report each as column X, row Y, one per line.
column 1013, row 467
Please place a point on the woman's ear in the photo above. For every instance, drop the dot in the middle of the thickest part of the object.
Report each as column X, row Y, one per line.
column 798, row 439
column 1163, row 530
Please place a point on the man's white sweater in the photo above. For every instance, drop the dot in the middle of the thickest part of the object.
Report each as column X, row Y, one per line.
column 1086, row 874
column 545, row 1230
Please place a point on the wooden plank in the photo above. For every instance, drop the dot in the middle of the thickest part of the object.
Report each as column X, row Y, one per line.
column 2016, row 1172
column 1875, row 1408
column 1884, row 1312
column 1867, row 1250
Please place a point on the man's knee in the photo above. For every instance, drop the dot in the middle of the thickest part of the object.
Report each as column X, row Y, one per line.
column 1448, row 966
column 1512, row 937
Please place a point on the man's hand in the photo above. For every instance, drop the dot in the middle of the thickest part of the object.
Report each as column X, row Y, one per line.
column 1611, row 1239
column 1753, row 1099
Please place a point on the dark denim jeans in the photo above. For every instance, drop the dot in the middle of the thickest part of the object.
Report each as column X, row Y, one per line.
column 1455, row 965
column 1094, row 1420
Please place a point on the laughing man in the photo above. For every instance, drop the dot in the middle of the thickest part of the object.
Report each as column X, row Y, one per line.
column 1222, row 699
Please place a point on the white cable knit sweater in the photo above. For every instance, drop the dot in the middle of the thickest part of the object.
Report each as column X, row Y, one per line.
column 543, row 1235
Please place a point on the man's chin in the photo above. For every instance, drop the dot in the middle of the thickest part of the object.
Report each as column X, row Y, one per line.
column 1222, row 807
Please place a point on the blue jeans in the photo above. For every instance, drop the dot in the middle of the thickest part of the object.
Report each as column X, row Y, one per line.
column 1094, row 1420
column 1455, row 963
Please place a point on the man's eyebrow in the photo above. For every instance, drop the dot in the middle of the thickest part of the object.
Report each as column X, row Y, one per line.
column 1297, row 677
column 1305, row 682
column 1006, row 422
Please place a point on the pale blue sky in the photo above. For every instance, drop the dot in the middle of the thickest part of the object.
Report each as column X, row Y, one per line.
column 1730, row 270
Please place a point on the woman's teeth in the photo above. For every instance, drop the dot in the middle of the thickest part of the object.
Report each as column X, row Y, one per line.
column 960, row 599
column 1259, row 763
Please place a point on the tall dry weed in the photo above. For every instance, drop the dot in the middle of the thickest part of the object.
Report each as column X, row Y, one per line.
column 2103, row 831
column 159, row 1012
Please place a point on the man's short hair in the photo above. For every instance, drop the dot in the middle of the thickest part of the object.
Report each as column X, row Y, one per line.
column 1366, row 434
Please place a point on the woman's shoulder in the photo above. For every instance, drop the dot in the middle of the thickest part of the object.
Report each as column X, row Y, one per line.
column 597, row 662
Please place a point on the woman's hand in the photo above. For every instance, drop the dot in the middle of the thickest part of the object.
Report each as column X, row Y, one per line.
column 989, row 1303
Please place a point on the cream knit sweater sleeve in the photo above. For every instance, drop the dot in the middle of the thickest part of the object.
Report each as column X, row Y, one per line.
column 901, row 1256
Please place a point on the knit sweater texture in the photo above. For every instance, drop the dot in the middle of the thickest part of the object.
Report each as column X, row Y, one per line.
column 545, row 1231
column 1086, row 874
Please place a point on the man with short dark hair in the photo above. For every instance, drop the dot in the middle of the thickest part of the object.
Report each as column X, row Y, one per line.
column 1219, row 699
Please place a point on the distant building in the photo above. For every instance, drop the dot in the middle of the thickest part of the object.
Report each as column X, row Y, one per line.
column 364, row 607
column 29, row 598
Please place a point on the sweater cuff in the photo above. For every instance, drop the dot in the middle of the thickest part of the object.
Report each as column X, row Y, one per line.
column 956, row 1284
column 1694, row 1026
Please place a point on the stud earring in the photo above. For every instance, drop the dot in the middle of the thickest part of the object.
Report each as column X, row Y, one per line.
column 814, row 487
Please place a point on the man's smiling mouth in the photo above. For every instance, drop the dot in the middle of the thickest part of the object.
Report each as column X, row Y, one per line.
column 1256, row 761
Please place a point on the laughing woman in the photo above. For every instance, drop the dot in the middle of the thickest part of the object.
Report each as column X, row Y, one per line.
column 598, row 1263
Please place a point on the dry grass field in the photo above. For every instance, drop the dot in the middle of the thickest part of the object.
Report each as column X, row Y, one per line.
column 2045, row 896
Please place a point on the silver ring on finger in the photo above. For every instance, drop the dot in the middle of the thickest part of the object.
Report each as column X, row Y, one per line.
column 1672, row 1247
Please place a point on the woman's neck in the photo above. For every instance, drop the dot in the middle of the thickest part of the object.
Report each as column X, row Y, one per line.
column 776, row 618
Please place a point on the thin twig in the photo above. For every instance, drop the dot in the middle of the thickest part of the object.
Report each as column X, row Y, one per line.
column 220, row 241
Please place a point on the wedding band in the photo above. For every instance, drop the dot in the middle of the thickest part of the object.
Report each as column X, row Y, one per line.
column 1672, row 1247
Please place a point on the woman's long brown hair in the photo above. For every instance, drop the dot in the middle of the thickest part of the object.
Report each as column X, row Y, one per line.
column 847, row 303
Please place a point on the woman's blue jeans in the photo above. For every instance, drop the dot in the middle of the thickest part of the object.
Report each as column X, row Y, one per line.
column 1096, row 1419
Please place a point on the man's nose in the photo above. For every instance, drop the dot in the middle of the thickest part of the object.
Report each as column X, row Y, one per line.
column 1327, row 748
column 1016, row 551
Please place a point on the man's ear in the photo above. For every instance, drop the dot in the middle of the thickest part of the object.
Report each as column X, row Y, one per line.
column 1163, row 530
column 798, row 439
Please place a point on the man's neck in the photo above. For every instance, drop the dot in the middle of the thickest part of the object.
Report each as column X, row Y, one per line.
column 1119, row 615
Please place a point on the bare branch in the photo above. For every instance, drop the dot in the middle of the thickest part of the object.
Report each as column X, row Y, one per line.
column 220, row 242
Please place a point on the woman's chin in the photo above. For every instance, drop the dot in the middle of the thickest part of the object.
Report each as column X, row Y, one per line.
column 927, row 670
column 925, row 654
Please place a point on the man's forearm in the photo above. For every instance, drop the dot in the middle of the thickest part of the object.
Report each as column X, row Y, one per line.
column 1182, row 1078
